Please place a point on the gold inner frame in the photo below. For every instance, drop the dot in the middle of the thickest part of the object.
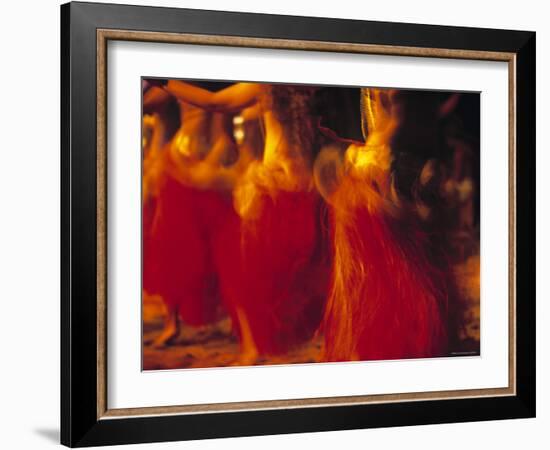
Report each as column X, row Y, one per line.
column 103, row 36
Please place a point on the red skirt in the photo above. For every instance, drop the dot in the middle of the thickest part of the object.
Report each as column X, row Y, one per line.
column 388, row 296
column 178, row 260
column 283, row 280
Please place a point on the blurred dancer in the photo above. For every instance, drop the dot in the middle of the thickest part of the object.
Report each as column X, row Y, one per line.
column 188, row 178
column 388, row 296
column 277, row 291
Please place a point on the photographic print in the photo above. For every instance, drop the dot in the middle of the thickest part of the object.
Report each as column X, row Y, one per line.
column 302, row 224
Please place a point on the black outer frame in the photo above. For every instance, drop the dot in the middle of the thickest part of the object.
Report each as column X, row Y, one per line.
column 79, row 423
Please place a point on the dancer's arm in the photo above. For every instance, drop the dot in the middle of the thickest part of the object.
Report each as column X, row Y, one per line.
column 252, row 113
column 154, row 99
column 233, row 98
column 328, row 169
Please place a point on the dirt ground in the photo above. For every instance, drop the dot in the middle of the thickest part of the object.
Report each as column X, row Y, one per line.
column 215, row 346
column 207, row 346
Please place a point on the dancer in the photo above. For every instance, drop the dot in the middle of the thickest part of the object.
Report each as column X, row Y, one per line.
column 276, row 293
column 188, row 177
column 388, row 295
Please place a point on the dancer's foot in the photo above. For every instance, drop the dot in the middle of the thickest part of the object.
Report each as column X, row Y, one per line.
column 169, row 333
column 249, row 352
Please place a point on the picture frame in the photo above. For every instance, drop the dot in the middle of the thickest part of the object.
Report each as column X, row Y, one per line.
column 86, row 29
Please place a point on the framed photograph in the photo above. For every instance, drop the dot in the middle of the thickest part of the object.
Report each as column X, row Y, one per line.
column 277, row 224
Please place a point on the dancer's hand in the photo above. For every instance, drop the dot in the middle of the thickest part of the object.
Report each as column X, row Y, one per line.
column 328, row 170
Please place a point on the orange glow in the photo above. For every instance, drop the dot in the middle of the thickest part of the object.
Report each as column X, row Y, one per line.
column 266, row 232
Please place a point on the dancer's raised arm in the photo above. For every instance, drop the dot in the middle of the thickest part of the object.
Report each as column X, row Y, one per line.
column 155, row 99
column 233, row 98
